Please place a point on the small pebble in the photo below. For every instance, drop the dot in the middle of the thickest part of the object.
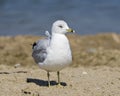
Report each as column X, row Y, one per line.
column 84, row 73
column 17, row 65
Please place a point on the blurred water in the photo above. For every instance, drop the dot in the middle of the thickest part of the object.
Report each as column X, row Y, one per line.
column 36, row 16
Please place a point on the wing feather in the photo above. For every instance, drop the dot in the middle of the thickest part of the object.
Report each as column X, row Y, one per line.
column 40, row 50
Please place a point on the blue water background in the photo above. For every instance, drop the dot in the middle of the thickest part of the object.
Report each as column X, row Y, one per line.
column 34, row 17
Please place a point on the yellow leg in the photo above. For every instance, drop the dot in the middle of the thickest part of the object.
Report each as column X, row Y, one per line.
column 48, row 75
column 58, row 74
column 59, row 85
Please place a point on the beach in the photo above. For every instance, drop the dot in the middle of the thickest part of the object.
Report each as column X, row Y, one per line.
column 95, row 70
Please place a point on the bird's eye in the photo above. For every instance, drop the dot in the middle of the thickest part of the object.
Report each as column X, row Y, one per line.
column 60, row 26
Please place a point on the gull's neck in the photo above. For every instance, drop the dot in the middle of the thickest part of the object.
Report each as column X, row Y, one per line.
column 58, row 36
column 58, row 41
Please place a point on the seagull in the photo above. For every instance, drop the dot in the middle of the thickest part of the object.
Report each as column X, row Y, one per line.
column 53, row 53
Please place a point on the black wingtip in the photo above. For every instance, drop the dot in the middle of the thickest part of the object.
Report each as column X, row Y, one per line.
column 33, row 45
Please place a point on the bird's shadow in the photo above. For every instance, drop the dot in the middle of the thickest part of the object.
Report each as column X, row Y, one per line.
column 43, row 82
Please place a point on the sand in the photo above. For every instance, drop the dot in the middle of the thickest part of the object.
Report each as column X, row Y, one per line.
column 95, row 70
column 81, row 81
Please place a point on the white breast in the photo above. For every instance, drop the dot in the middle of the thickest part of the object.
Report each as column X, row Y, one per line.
column 59, row 54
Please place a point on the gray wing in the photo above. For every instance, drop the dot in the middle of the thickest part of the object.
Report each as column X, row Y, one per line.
column 40, row 50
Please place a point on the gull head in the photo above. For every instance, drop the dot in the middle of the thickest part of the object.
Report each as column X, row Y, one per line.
column 61, row 27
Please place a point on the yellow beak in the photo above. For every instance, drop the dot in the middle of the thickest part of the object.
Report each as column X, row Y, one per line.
column 70, row 30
